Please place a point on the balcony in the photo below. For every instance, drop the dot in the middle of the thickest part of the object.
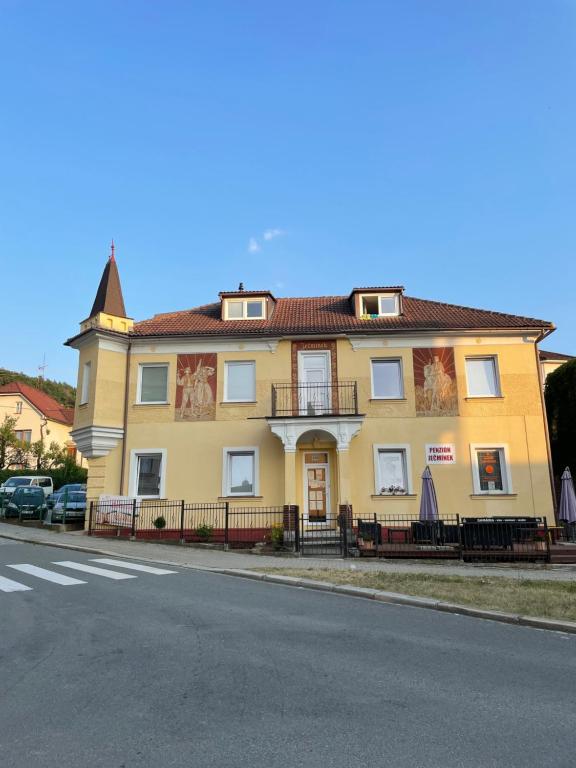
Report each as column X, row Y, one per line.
column 309, row 400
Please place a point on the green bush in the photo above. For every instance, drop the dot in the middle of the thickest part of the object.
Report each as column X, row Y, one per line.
column 277, row 536
column 70, row 473
column 204, row 531
column 159, row 523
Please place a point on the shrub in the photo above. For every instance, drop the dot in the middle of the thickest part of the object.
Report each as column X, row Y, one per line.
column 159, row 523
column 204, row 531
column 277, row 535
column 69, row 473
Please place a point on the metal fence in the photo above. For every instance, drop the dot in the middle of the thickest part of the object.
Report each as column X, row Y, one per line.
column 470, row 539
column 207, row 523
column 283, row 528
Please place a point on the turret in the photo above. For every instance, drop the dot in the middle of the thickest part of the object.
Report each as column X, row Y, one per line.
column 108, row 310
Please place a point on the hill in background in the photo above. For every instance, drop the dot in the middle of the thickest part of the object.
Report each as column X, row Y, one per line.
column 62, row 392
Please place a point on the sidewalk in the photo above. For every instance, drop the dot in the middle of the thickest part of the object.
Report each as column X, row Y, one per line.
column 214, row 559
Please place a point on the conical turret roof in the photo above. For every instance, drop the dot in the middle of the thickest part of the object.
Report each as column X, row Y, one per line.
column 109, row 297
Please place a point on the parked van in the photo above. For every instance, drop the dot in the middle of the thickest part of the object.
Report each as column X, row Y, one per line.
column 18, row 481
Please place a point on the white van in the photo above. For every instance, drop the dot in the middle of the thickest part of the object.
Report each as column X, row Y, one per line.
column 9, row 486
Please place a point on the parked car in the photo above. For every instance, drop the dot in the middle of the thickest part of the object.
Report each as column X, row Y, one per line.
column 27, row 503
column 68, row 488
column 70, row 507
column 36, row 481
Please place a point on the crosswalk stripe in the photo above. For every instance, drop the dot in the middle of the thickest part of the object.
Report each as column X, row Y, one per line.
column 7, row 585
column 43, row 573
column 96, row 571
column 132, row 566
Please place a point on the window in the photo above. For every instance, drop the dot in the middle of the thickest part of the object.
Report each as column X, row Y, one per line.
column 245, row 309
column 240, row 472
column 490, row 469
column 153, row 383
column 482, row 377
column 147, row 473
column 24, row 435
column 379, row 305
column 19, row 406
column 85, row 389
column 240, row 382
column 392, row 470
column 387, row 379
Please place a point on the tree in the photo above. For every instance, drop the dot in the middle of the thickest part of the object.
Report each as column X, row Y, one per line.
column 13, row 452
column 560, row 395
column 49, row 457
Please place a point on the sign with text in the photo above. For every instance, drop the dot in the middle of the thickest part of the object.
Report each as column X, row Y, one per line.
column 444, row 453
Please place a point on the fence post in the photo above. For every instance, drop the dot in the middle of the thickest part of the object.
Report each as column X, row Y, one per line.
column 547, row 540
column 226, row 515
column 182, row 522
column 296, row 518
column 90, row 518
column 133, row 530
column 460, row 548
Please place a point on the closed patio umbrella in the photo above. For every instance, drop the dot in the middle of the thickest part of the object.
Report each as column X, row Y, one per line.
column 567, row 508
column 428, row 502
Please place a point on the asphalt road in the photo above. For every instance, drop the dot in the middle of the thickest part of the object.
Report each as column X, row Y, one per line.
column 197, row 669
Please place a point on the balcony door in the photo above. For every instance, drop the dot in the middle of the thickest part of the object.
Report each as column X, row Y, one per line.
column 314, row 383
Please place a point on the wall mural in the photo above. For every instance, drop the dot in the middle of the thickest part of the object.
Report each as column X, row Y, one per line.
column 196, row 387
column 435, row 382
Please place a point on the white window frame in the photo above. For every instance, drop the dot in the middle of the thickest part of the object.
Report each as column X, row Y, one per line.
column 244, row 303
column 381, row 296
column 135, row 453
column 141, row 367
column 85, row 388
column 226, row 452
column 506, row 473
column 405, row 447
column 228, row 399
column 19, row 406
column 387, row 360
column 494, row 359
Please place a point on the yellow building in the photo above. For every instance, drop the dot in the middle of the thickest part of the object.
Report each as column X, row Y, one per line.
column 39, row 416
column 316, row 402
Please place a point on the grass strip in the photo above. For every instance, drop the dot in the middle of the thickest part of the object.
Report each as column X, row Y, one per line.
column 527, row 597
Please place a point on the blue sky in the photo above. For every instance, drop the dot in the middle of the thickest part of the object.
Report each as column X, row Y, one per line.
column 422, row 142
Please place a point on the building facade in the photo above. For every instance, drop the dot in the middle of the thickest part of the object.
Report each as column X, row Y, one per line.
column 317, row 402
column 38, row 416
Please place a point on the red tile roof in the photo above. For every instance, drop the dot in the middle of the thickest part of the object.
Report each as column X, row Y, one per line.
column 49, row 407
column 553, row 355
column 331, row 315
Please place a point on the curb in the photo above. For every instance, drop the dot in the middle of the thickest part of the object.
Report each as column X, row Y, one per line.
column 396, row 598
column 393, row 598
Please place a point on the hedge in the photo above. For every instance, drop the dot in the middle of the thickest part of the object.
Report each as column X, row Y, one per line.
column 60, row 476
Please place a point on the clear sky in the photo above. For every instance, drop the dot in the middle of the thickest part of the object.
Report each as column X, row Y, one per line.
column 303, row 147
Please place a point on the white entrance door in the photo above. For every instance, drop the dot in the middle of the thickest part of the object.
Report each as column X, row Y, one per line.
column 316, row 472
column 314, row 383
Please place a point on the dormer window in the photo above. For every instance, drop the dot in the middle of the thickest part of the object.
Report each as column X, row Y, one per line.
column 379, row 305
column 245, row 309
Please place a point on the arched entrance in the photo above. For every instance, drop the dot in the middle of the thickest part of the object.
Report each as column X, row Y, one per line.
column 316, row 478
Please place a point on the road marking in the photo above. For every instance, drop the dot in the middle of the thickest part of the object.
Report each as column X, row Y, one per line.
column 7, row 585
column 96, row 571
column 132, row 566
column 42, row 573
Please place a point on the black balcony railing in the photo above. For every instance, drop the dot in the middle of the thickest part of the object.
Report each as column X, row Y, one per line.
column 335, row 399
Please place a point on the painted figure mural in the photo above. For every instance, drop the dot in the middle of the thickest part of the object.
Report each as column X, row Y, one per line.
column 435, row 382
column 196, row 387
